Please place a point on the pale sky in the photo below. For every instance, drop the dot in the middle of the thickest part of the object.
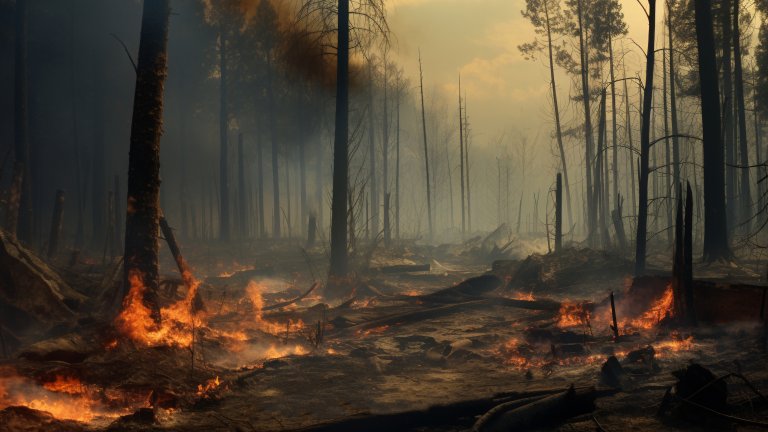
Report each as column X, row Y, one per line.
column 478, row 39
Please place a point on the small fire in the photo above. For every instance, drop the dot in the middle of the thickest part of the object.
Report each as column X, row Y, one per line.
column 675, row 344
column 178, row 319
column 523, row 296
column 573, row 315
column 375, row 330
column 277, row 352
column 205, row 390
column 253, row 290
column 63, row 384
column 660, row 309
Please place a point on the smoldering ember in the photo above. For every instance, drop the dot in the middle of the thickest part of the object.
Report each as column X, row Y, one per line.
column 383, row 215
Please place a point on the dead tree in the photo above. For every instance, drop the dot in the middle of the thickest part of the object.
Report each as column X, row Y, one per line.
column 618, row 222
column 745, row 193
column 558, row 214
column 645, row 145
column 715, row 219
column 141, row 224
column 56, row 224
column 426, row 152
column 14, row 199
column 242, row 209
column 22, row 225
column 223, row 140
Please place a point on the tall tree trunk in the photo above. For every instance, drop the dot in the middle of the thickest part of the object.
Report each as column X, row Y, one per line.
column 732, row 207
column 426, row 152
column 274, row 153
column 21, row 123
column 338, row 266
column 584, row 64
column 614, row 128
column 715, row 218
column 461, row 166
column 397, row 163
column 746, row 197
column 242, row 209
column 118, row 216
column 385, row 156
column 56, row 224
column 141, row 224
column 667, row 159
column 466, row 161
column 628, row 121
column 260, row 174
column 223, row 141
column 304, row 213
column 558, row 131
column 673, row 101
column 374, row 194
column 559, row 213
column 98, row 179
column 645, row 147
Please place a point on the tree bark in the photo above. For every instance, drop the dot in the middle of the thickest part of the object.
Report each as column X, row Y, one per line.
column 275, row 152
column 645, row 147
column 673, row 101
column 23, row 224
column 141, row 225
column 242, row 209
column 461, row 166
column 589, row 139
column 338, row 266
column 746, row 197
column 374, row 194
column 667, row 160
column 559, row 213
column 715, row 218
column 732, row 208
column 260, row 195
column 426, row 152
column 223, row 141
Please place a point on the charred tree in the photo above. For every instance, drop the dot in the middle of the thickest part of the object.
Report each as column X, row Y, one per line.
column 461, row 165
column 745, row 198
column 242, row 199
column 589, row 141
column 23, row 221
column 340, row 193
column 559, row 213
column 426, row 152
column 673, row 101
column 715, row 218
column 223, row 140
column 732, row 207
column 141, row 225
column 260, row 181
column 645, row 145
column 374, row 194
column 667, row 161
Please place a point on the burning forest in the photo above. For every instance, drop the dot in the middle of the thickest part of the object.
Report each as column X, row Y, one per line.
column 257, row 221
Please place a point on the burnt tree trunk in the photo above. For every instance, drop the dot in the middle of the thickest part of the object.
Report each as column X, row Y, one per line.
column 645, row 145
column 715, row 219
column 141, row 224
column 673, row 102
column 727, row 120
column 559, row 214
column 56, row 224
column 688, row 257
column 14, row 198
column 22, row 225
column 426, row 152
column 584, row 64
column 745, row 192
column 242, row 209
column 260, row 194
column 340, row 193
column 223, row 141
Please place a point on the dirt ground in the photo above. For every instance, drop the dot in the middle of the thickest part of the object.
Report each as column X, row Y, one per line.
column 396, row 342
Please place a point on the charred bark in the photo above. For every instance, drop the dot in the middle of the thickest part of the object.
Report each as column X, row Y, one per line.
column 141, row 225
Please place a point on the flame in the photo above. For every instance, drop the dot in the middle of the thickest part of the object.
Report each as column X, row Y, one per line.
column 205, row 390
column 274, row 352
column 660, row 309
column 65, row 398
column 573, row 315
column 253, row 290
column 523, row 296
column 175, row 329
column 375, row 330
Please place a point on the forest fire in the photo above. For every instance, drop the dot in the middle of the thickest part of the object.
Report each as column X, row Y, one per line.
column 661, row 308
column 573, row 315
column 177, row 320
column 65, row 398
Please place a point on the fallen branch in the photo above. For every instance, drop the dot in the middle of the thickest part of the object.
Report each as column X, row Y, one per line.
column 290, row 302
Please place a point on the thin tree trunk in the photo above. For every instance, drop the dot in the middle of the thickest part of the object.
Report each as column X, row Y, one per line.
column 241, row 190
column 260, row 196
column 715, row 218
column 339, row 225
column 426, row 152
column 466, row 161
column 304, row 214
column 21, row 123
column 141, row 225
column 732, row 207
column 275, row 154
column 628, row 120
column 397, row 164
column 673, row 101
column 385, row 156
column 645, row 136
column 223, row 141
column 584, row 64
column 374, row 194
column 559, row 213
column 118, row 217
column 746, row 197
column 461, row 166
column 667, row 159
column 614, row 128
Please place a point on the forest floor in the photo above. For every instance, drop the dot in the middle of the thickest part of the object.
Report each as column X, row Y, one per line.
column 471, row 328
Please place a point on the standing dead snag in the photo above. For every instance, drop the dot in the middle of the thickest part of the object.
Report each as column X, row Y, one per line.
column 141, row 223
column 559, row 213
column 56, row 222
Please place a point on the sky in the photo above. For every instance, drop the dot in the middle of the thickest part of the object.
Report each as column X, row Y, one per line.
column 478, row 39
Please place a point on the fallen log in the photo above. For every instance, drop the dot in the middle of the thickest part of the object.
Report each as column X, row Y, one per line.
column 437, row 415
column 542, row 412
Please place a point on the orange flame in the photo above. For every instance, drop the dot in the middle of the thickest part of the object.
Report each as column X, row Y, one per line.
column 660, row 309
column 573, row 315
